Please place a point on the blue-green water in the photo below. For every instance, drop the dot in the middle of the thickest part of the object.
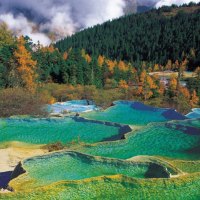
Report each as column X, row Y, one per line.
column 163, row 137
column 72, row 106
column 44, row 131
column 73, row 166
column 154, row 139
column 123, row 112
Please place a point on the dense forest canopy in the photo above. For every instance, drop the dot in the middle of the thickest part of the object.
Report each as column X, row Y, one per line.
column 155, row 36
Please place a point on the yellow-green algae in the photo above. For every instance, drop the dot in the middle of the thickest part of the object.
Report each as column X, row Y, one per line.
column 185, row 187
column 186, row 166
column 69, row 165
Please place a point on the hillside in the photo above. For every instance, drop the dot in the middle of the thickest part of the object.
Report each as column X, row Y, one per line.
column 101, row 71
column 152, row 36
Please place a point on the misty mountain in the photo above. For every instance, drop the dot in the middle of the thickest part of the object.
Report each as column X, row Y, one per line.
column 51, row 20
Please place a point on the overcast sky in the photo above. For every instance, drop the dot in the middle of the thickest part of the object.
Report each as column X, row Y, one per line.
column 39, row 18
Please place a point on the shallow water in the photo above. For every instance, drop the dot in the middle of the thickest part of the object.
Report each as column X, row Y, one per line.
column 166, row 138
column 154, row 139
column 76, row 106
column 74, row 166
column 44, row 131
column 133, row 113
column 194, row 114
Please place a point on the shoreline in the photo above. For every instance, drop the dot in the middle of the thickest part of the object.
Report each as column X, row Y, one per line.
column 14, row 153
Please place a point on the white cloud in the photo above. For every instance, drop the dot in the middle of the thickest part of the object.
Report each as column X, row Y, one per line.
column 177, row 2
column 37, row 18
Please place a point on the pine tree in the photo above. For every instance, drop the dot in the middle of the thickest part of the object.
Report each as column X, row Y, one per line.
column 6, row 36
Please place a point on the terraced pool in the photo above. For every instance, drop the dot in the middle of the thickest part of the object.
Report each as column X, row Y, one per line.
column 134, row 113
column 155, row 139
column 75, row 166
column 44, row 131
column 168, row 140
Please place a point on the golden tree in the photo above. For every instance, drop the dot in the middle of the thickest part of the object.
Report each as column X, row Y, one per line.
column 185, row 92
column 148, row 86
column 161, row 89
column 111, row 65
column 122, row 66
column 143, row 76
column 194, row 99
column 88, row 58
column 100, row 60
column 25, row 66
column 65, row 55
column 123, row 85
column 156, row 68
column 173, row 83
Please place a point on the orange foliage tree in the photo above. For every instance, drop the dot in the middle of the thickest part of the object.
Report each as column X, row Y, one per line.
column 185, row 92
column 123, row 85
column 65, row 55
column 173, row 83
column 156, row 68
column 143, row 76
column 88, row 58
column 148, row 87
column 25, row 66
column 194, row 99
column 100, row 60
column 122, row 66
column 111, row 65
column 161, row 89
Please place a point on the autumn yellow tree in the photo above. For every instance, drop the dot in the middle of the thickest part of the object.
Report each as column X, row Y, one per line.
column 194, row 99
column 185, row 92
column 49, row 49
column 173, row 83
column 123, row 85
column 156, row 68
column 143, row 76
column 161, row 89
column 65, row 55
column 148, row 87
column 88, row 58
column 122, row 66
column 151, row 82
column 100, row 60
column 111, row 65
column 25, row 66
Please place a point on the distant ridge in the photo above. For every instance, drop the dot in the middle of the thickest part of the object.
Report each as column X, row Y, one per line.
column 156, row 36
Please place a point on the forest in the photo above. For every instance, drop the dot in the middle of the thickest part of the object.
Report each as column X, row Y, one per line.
column 157, row 36
column 105, row 63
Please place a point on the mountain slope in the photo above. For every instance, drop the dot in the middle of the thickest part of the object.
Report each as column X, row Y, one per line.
column 152, row 36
